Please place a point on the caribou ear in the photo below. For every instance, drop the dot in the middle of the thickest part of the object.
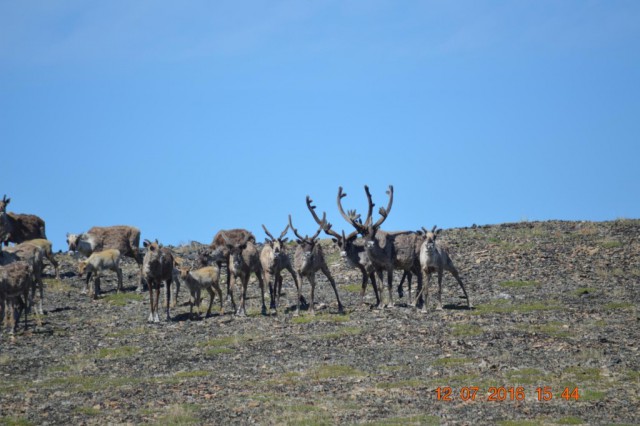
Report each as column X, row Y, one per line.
column 284, row 240
column 335, row 240
column 145, row 243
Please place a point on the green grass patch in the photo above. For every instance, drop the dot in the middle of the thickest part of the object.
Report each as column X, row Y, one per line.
column 554, row 329
column 352, row 288
column 119, row 352
column 88, row 383
column 519, row 284
column 305, row 319
column 87, row 411
column 466, row 330
column 219, row 351
column 335, row 371
column 518, row 423
column 610, row 244
column 451, row 361
column 180, row 414
column 526, row 376
column 583, row 373
column 122, row 298
column 304, row 414
column 613, row 306
column 341, row 332
column 14, row 421
column 591, row 395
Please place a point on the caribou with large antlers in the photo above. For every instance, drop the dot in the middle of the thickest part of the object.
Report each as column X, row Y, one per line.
column 274, row 260
column 307, row 260
column 386, row 250
column 352, row 252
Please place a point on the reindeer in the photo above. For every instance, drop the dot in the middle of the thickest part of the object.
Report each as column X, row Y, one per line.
column 435, row 258
column 16, row 279
column 274, row 260
column 387, row 251
column 218, row 252
column 96, row 263
column 308, row 259
column 352, row 251
column 125, row 239
column 18, row 228
column 206, row 278
column 244, row 259
column 157, row 266
column 34, row 254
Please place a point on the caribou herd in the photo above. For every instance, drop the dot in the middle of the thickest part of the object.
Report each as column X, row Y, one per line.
column 367, row 248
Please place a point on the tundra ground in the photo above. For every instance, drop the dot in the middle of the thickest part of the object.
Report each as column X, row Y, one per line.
column 555, row 308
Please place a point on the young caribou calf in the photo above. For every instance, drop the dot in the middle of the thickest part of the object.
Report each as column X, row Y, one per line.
column 206, row 278
column 98, row 262
column 435, row 258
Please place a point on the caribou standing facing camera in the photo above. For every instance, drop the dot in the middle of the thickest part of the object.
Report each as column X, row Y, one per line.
column 352, row 251
column 307, row 260
column 435, row 258
column 274, row 259
column 386, row 250
column 244, row 259
column 157, row 267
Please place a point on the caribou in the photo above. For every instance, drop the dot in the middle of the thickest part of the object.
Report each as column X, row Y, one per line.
column 274, row 260
column 307, row 260
column 352, row 251
column 387, row 251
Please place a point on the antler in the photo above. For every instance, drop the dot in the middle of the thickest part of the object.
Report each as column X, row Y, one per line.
column 266, row 231
column 322, row 225
column 384, row 212
column 351, row 216
column 295, row 231
column 327, row 226
column 283, row 233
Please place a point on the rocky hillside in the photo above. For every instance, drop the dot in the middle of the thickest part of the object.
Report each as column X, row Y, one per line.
column 553, row 338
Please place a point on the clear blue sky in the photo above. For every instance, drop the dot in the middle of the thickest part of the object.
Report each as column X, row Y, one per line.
column 183, row 118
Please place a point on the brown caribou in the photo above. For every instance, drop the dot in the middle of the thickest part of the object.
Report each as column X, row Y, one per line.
column 307, row 260
column 386, row 250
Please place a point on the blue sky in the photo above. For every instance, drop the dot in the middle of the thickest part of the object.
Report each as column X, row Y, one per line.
column 183, row 118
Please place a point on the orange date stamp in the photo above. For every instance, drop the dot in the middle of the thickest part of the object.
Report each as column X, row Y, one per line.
column 504, row 393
